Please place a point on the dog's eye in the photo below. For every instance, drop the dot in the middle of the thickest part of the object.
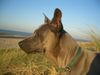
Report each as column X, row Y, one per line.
column 34, row 34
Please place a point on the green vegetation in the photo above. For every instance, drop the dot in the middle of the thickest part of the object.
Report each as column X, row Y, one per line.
column 17, row 62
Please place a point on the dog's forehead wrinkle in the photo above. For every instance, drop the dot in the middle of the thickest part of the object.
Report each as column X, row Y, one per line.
column 43, row 28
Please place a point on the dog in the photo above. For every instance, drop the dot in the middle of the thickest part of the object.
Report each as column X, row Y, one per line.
column 59, row 47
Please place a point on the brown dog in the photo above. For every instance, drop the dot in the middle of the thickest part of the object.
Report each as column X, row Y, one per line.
column 58, row 46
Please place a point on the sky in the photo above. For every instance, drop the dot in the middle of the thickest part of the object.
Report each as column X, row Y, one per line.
column 78, row 16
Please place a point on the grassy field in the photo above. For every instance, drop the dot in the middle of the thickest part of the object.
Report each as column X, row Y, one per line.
column 14, row 61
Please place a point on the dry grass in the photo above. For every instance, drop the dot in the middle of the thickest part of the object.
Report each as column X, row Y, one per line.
column 96, row 39
column 88, row 45
column 17, row 62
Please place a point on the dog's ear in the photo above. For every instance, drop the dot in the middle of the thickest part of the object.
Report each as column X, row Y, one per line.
column 46, row 19
column 56, row 21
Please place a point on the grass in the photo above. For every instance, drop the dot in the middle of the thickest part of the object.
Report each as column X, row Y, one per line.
column 94, row 44
column 95, row 39
column 16, row 62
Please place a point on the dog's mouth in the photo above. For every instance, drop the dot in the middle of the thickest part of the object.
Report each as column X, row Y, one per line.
column 37, row 51
column 30, row 50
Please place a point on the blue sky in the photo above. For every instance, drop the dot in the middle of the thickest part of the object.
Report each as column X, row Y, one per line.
column 26, row 15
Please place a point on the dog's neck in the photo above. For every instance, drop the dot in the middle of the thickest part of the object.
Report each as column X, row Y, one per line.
column 64, row 51
column 67, row 50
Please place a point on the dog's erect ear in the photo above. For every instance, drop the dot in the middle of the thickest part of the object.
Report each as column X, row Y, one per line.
column 56, row 21
column 46, row 20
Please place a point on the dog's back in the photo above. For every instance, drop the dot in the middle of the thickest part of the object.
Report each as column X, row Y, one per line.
column 95, row 66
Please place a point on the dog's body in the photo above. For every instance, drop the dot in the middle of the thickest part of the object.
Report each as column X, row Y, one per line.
column 59, row 47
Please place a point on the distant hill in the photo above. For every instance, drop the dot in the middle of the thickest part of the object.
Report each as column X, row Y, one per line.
column 10, row 33
column 19, row 34
column 83, row 40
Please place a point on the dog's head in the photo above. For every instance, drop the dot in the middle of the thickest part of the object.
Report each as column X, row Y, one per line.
column 46, row 37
